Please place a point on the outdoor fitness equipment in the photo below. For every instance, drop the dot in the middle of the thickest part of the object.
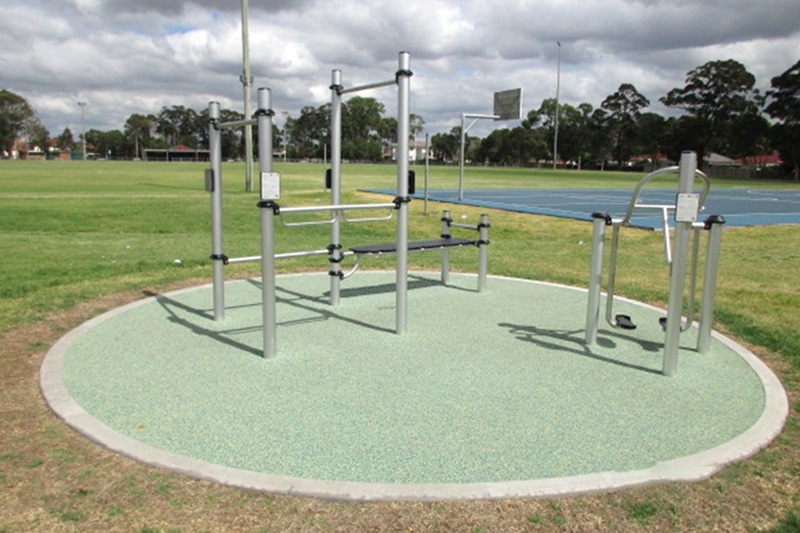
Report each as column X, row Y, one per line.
column 269, row 209
column 685, row 211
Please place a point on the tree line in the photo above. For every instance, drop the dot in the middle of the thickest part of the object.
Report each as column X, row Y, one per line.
column 720, row 111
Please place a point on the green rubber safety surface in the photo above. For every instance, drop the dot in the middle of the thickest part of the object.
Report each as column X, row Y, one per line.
column 489, row 387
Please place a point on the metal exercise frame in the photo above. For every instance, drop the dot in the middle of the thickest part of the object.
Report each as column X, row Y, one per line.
column 269, row 187
column 685, row 210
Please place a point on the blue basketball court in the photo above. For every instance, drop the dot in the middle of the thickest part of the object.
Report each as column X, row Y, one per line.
column 740, row 207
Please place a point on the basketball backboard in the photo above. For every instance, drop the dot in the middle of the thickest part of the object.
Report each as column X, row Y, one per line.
column 508, row 104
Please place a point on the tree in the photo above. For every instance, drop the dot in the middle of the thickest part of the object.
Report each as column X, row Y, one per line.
column 307, row 134
column 784, row 106
column 600, row 142
column 416, row 124
column 181, row 125
column 108, row 143
column 650, row 134
column 624, row 109
column 446, row 146
column 139, row 128
column 715, row 93
column 361, row 118
column 573, row 132
column 65, row 141
column 17, row 119
column 387, row 129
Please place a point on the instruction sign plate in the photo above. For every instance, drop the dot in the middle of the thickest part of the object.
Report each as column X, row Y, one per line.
column 270, row 186
column 687, row 206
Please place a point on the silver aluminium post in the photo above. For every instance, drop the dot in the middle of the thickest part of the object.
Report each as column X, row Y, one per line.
column 214, row 184
column 427, row 171
column 462, row 157
column 267, row 208
column 595, row 277
column 247, row 85
column 446, row 220
column 336, row 183
column 714, row 225
column 403, row 131
column 686, row 173
column 483, row 252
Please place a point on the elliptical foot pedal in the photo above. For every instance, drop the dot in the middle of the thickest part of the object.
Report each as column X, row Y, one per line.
column 663, row 322
column 624, row 322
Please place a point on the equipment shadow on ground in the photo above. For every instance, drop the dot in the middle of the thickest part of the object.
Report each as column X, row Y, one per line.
column 314, row 304
column 572, row 341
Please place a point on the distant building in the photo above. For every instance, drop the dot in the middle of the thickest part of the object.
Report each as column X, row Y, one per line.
column 176, row 153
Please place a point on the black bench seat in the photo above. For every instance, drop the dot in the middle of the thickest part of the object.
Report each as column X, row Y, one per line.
column 391, row 247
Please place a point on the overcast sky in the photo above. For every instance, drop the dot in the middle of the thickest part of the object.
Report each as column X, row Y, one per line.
column 137, row 56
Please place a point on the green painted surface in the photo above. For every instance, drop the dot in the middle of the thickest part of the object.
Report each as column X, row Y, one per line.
column 482, row 388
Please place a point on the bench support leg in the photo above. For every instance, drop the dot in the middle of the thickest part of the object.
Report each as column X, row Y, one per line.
column 446, row 221
column 483, row 252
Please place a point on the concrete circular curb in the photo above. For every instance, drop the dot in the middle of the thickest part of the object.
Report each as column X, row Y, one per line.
column 689, row 468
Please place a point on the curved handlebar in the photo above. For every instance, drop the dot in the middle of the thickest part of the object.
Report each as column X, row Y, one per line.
column 666, row 170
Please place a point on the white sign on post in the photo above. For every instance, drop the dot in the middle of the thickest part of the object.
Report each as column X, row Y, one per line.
column 687, row 206
column 270, row 185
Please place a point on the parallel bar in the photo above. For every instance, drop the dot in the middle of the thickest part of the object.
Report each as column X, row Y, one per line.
column 245, row 259
column 367, row 86
column 217, row 248
column 464, row 226
column 334, row 207
column 284, row 255
column 308, row 253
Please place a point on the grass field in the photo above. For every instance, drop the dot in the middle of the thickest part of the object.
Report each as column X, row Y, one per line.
column 80, row 238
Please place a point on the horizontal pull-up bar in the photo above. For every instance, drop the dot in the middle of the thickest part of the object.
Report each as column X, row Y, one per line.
column 237, row 124
column 368, row 86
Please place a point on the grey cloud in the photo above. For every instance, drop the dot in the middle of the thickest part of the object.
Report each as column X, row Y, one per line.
column 177, row 7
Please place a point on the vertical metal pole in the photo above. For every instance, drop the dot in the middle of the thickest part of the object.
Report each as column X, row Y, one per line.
column 595, row 277
column 714, row 225
column 462, row 157
column 336, row 182
column 403, row 132
column 83, row 128
column 217, row 249
column 558, row 90
column 483, row 252
column 446, row 220
column 247, row 84
column 686, row 172
column 427, row 168
column 267, row 211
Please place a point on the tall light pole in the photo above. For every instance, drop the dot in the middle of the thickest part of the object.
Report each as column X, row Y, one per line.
column 83, row 128
column 558, row 89
column 247, row 83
